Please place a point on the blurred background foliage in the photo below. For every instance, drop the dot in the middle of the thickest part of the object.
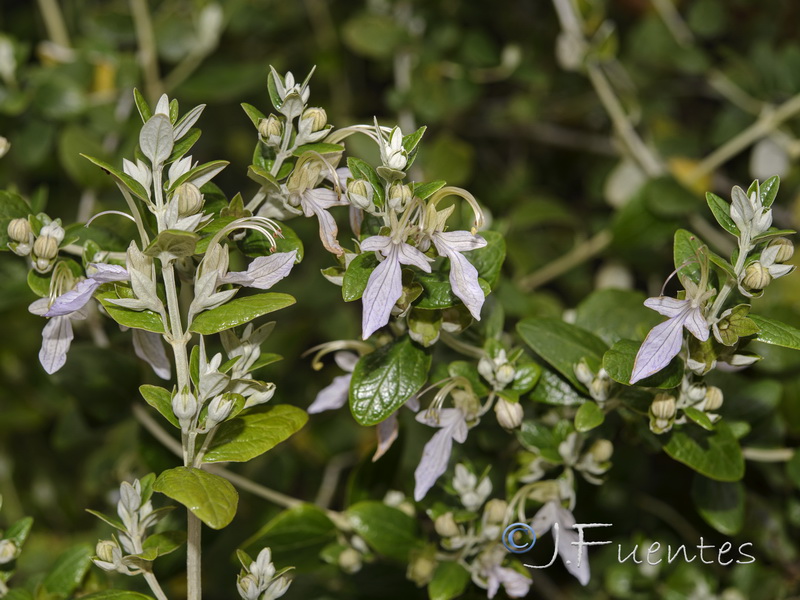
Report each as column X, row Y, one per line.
column 514, row 116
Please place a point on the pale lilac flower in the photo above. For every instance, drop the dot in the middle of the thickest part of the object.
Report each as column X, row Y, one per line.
column 385, row 285
column 312, row 200
column 56, row 335
column 472, row 492
column 80, row 295
column 565, row 537
column 263, row 272
column 149, row 347
column 452, row 424
column 664, row 341
column 463, row 275
column 487, row 572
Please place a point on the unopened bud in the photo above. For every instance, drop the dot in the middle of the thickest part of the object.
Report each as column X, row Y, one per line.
column 184, row 406
column 190, row 199
column 249, row 587
column 446, row 526
column 505, row 374
column 105, row 550
column 600, row 388
column 696, row 392
column 130, row 497
column 45, row 247
column 495, row 510
column 714, row 399
column 663, row 407
column 5, row 146
column 399, row 196
column 785, row 249
column 219, row 409
column 317, row 117
column 54, row 230
column 269, row 127
column 350, row 560
column 601, row 450
column 509, row 414
column 19, row 230
column 360, row 194
column 420, row 569
column 8, row 551
column 756, row 277
column 583, row 373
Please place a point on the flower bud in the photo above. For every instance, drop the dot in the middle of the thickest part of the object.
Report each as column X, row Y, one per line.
column 53, row 229
column 756, row 277
column 505, row 374
column 696, row 392
column 509, row 414
column 5, row 146
column 190, row 199
column 486, row 368
column 446, row 526
column 249, row 587
column 360, row 194
column 317, row 117
column 19, row 230
column 45, row 247
column 399, row 195
column 663, row 407
column 583, row 373
column 219, row 409
column 785, row 249
column 269, row 127
column 350, row 560
column 105, row 550
column 8, row 551
column 600, row 388
column 713, row 399
column 601, row 450
column 495, row 510
column 130, row 497
column 184, row 406
column 420, row 569
column 466, row 402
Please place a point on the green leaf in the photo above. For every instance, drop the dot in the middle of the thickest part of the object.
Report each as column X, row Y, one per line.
column 355, row 278
column 562, row 345
column 164, row 542
column 772, row 233
column 589, row 416
column 721, row 504
column 386, row 378
column 68, row 571
column 129, row 182
column 388, row 530
column 537, row 437
column 716, row 454
column 489, row 259
column 243, row 438
column 296, row 536
column 363, row 170
column 172, row 244
column 18, row 532
column 411, row 140
column 253, row 113
column 686, row 254
column 423, row 191
column 319, row 148
column 722, row 213
column 143, row 319
column 116, row 595
column 618, row 361
column 554, row 389
column 526, row 376
column 142, row 106
column 437, row 292
column 161, row 400
column 768, row 190
column 114, row 522
column 183, row 145
column 373, row 35
column 776, row 333
column 207, row 171
column 72, row 142
column 238, row 312
column 211, row 498
column 449, row 581
column 613, row 315
column 699, row 417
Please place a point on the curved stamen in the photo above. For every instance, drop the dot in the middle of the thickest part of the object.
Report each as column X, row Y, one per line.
column 110, row 212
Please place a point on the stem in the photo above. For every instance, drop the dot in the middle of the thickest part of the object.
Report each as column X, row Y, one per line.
column 579, row 254
column 155, row 587
column 768, row 454
column 193, row 554
column 148, row 55
column 744, row 248
column 284, row 151
column 54, row 22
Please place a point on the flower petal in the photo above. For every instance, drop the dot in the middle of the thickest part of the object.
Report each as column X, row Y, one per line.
column 149, row 347
column 376, row 243
column 408, row 255
column 384, row 288
column 568, row 546
column 515, row 584
column 445, row 417
column 264, row 271
column 107, row 273
column 463, row 277
column 332, row 396
column 74, row 299
column 696, row 323
column 387, row 433
column 660, row 346
column 56, row 339
column 346, row 361
column 460, row 241
column 434, row 461
column 669, row 307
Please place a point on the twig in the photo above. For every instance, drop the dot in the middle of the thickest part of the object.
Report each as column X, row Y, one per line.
column 148, row 54
column 674, row 22
column 579, row 254
column 768, row 454
column 54, row 22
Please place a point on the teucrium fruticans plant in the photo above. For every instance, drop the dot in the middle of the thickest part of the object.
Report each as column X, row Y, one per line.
column 421, row 263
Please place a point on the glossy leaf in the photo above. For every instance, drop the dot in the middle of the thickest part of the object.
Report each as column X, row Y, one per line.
column 589, row 416
column 717, row 454
column 449, row 581
column 776, row 333
column 68, row 571
column 619, row 360
column 238, row 312
column 161, row 400
column 388, row 530
column 720, row 503
column 211, row 498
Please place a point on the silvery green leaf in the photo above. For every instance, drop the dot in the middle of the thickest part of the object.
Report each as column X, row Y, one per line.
column 156, row 139
column 185, row 124
column 162, row 107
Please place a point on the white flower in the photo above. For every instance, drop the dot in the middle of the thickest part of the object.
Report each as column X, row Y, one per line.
column 393, row 154
column 385, row 285
column 748, row 213
column 566, row 538
column 463, row 275
column 488, row 573
column 452, row 423
column 473, row 493
column 664, row 341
